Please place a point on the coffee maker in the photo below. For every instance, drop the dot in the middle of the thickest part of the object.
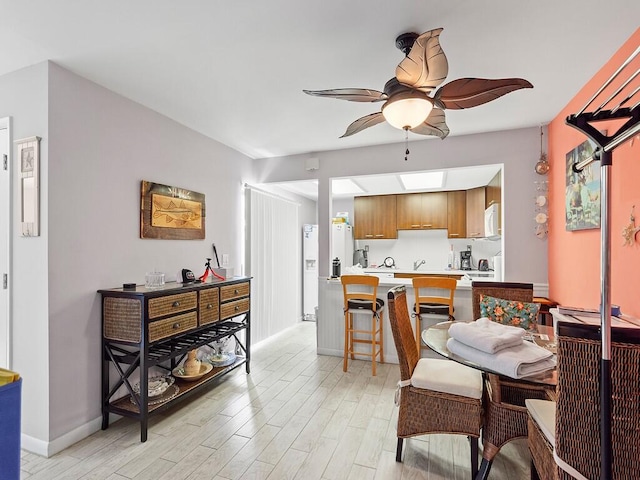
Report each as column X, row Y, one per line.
column 360, row 256
column 465, row 260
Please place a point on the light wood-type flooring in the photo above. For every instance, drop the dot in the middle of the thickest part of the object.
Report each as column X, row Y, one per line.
column 296, row 416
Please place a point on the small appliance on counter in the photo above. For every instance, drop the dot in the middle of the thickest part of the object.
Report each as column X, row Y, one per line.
column 335, row 268
column 483, row 265
column 465, row 260
column 361, row 256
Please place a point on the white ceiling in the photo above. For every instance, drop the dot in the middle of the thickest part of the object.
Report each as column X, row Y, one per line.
column 235, row 70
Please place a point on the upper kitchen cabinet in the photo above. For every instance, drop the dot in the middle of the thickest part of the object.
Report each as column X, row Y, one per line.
column 422, row 211
column 457, row 214
column 375, row 217
column 494, row 190
column 476, row 203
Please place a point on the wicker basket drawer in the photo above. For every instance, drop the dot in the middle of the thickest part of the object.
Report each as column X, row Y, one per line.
column 161, row 306
column 122, row 319
column 209, row 303
column 172, row 326
column 229, row 292
column 231, row 309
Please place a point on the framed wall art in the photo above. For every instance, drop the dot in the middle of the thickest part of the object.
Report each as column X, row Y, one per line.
column 29, row 168
column 582, row 194
column 171, row 213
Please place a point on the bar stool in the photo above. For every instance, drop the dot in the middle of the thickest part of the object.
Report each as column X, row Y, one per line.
column 360, row 297
column 432, row 304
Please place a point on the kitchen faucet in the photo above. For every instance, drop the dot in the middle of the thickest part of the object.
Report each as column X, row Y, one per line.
column 417, row 264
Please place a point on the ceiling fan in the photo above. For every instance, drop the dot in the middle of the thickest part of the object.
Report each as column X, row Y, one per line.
column 408, row 104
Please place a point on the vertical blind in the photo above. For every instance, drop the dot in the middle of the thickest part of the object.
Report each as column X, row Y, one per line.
column 273, row 246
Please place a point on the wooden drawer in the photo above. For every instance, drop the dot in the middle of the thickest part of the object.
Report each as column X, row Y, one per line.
column 231, row 309
column 161, row 306
column 229, row 292
column 208, row 307
column 172, row 326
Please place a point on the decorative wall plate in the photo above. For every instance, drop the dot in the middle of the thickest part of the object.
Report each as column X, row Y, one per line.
column 541, row 218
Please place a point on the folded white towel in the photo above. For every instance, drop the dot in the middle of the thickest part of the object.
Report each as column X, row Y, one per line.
column 515, row 362
column 485, row 335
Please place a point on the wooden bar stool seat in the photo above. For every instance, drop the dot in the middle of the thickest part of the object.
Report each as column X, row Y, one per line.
column 360, row 299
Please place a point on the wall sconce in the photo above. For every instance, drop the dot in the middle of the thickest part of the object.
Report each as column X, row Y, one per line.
column 29, row 158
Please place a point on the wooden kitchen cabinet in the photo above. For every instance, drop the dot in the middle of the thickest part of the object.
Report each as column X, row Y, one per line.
column 375, row 217
column 476, row 201
column 422, row 211
column 457, row 214
column 409, row 211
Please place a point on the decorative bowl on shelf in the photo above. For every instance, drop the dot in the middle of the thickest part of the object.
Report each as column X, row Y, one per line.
column 222, row 359
column 157, row 385
column 179, row 372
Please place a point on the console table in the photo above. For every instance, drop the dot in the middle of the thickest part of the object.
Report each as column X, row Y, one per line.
column 144, row 328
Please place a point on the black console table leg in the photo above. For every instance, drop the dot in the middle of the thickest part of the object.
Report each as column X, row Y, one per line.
column 485, row 468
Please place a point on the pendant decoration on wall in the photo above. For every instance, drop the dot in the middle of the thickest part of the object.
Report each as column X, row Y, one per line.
column 542, row 166
column 630, row 231
column 541, row 213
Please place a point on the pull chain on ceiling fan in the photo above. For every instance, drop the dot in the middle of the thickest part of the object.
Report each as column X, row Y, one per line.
column 408, row 104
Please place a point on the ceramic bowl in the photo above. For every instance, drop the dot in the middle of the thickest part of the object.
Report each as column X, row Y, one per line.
column 179, row 372
column 157, row 385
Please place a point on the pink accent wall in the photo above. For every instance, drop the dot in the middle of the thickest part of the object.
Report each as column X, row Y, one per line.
column 574, row 257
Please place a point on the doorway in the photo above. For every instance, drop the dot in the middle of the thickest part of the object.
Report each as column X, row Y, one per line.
column 5, row 243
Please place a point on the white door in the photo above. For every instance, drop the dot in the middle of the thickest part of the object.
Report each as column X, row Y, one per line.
column 5, row 212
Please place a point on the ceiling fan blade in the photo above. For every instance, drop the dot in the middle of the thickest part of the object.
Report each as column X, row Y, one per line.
column 471, row 92
column 435, row 125
column 351, row 94
column 426, row 66
column 363, row 122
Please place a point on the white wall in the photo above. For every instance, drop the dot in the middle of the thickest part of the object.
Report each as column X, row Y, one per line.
column 517, row 150
column 432, row 246
column 96, row 148
column 23, row 96
column 101, row 146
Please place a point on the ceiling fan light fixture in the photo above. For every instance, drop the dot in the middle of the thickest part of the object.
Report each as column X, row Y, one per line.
column 407, row 111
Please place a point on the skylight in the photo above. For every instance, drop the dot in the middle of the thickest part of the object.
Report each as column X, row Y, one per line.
column 422, row 180
column 345, row 186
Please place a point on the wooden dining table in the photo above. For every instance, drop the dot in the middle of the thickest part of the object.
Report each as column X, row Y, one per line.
column 505, row 413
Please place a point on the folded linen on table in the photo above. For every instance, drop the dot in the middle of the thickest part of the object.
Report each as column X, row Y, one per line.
column 487, row 336
column 515, row 362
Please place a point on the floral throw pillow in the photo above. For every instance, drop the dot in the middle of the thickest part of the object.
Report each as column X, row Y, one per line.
column 510, row 312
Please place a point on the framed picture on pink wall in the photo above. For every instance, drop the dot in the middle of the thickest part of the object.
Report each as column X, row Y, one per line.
column 582, row 194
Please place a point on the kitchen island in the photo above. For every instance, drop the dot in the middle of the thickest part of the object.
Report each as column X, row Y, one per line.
column 330, row 321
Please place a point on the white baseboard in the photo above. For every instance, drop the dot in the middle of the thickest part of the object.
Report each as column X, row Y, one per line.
column 48, row 449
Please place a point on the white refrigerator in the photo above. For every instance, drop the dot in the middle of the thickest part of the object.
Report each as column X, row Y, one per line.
column 310, row 271
column 342, row 245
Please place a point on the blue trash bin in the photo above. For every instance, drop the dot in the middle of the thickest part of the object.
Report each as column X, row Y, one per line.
column 10, row 430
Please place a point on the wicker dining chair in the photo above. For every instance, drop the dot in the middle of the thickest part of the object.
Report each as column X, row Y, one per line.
column 436, row 395
column 433, row 296
column 541, row 435
column 577, row 440
column 505, row 411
